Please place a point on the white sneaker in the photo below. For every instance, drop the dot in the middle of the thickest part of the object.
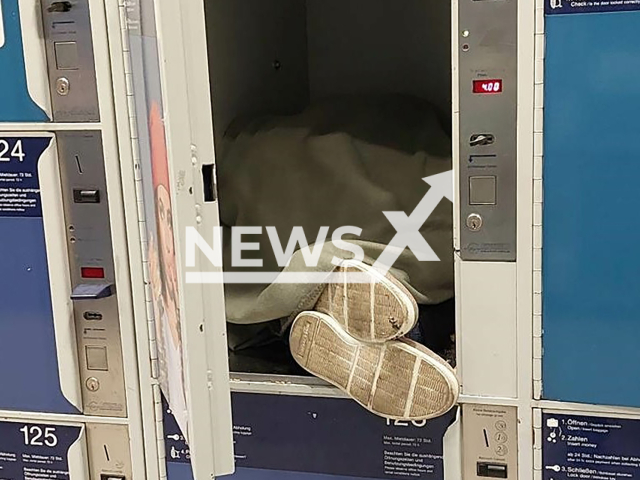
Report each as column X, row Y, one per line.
column 399, row 379
column 370, row 312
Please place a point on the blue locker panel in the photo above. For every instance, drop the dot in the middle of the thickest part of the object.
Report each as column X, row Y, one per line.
column 16, row 104
column 282, row 437
column 29, row 379
column 591, row 264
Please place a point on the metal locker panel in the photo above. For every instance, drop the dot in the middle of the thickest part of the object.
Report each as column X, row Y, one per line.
column 108, row 449
column 487, row 74
column 489, row 442
column 92, row 270
column 70, row 57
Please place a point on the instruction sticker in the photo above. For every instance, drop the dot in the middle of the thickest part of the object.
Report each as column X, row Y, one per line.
column 555, row 7
column 590, row 448
column 177, row 450
column 34, row 451
column 19, row 183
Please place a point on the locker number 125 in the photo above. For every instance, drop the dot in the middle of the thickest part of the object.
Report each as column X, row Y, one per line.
column 39, row 437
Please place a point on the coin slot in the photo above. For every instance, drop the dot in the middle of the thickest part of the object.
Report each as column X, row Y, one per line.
column 477, row 158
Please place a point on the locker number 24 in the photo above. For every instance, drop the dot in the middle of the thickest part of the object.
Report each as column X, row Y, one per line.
column 36, row 436
column 16, row 151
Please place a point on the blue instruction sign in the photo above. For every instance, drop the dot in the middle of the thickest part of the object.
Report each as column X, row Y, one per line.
column 19, row 183
column 307, row 434
column 558, row 7
column 31, row 451
column 590, row 448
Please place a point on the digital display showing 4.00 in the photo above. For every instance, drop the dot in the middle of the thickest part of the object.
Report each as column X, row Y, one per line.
column 487, row 86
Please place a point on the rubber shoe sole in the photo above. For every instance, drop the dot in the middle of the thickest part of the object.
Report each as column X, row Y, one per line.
column 370, row 312
column 400, row 379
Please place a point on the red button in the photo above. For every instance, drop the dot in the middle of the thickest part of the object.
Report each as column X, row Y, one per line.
column 92, row 272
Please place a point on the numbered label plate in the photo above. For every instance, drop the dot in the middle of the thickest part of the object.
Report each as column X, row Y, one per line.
column 35, row 451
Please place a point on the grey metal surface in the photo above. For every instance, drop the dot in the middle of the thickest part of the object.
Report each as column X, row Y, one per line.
column 488, row 51
column 109, row 453
column 69, row 46
column 89, row 239
column 489, row 442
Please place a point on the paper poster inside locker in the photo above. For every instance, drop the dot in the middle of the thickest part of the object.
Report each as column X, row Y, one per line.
column 157, row 190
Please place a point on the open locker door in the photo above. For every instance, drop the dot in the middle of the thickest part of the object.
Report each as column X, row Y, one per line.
column 165, row 62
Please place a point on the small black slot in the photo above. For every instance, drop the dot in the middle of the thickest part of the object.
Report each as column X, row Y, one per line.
column 92, row 316
column 86, row 196
column 473, row 158
column 492, row 470
column 209, row 183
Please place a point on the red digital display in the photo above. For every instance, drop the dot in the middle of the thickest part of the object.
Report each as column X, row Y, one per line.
column 487, row 86
column 92, row 272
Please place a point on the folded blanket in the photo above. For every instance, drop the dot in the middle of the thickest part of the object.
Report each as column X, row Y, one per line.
column 342, row 162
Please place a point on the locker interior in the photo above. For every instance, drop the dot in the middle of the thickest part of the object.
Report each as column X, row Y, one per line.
column 278, row 57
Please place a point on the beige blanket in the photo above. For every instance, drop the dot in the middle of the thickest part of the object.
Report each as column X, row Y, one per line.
column 340, row 163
